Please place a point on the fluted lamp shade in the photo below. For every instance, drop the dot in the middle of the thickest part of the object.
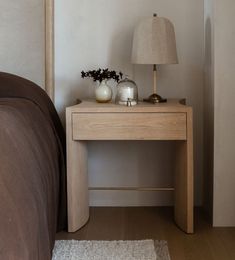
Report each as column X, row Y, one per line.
column 154, row 43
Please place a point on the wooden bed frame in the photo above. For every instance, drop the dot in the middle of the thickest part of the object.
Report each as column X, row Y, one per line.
column 49, row 48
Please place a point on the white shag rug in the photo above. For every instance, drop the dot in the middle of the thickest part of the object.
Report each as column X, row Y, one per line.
column 110, row 250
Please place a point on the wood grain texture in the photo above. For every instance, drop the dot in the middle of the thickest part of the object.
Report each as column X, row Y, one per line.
column 156, row 223
column 77, row 181
column 131, row 189
column 49, row 48
column 92, row 121
column 184, row 180
column 129, row 126
column 171, row 106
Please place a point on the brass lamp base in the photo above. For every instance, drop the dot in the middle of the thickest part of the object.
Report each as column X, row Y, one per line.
column 154, row 99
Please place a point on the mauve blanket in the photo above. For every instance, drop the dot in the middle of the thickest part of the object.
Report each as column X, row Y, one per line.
column 32, row 171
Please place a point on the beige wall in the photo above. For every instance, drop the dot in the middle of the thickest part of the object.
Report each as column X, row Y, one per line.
column 98, row 33
column 209, row 108
column 22, row 38
column 224, row 156
column 219, row 134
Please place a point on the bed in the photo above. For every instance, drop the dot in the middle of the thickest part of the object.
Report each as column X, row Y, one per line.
column 32, row 171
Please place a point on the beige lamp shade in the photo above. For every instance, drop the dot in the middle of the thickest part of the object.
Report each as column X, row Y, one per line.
column 154, row 42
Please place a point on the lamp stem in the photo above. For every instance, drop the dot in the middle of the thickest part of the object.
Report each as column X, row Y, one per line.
column 155, row 98
column 155, row 79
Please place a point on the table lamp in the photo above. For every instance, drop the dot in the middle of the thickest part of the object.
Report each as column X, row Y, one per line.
column 154, row 43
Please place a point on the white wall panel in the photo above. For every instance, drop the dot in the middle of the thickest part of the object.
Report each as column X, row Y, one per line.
column 224, row 140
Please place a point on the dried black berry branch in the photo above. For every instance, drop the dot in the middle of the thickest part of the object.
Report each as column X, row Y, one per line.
column 102, row 74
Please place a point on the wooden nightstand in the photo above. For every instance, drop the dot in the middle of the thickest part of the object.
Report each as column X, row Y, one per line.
column 92, row 121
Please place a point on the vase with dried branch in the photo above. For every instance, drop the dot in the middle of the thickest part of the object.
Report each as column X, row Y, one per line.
column 103, row 92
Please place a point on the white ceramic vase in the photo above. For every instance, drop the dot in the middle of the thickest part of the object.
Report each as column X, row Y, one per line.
column 103, row 92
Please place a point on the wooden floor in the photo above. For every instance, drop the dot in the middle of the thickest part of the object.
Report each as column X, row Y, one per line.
column 157, row 223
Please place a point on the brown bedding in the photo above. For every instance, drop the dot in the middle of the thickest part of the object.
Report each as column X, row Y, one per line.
column 32, row 171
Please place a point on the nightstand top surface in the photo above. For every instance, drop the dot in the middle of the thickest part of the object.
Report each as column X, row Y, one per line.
column 91, row 106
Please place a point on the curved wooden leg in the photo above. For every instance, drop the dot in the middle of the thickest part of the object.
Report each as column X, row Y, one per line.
column 77, row 181
column 184, row 181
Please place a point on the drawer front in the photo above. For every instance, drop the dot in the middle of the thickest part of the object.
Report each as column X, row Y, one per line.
column 129, row 126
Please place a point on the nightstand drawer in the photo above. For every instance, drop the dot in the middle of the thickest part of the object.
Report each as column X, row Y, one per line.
column 129, row 126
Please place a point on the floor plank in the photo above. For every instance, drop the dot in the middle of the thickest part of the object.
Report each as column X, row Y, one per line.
column 157, row 223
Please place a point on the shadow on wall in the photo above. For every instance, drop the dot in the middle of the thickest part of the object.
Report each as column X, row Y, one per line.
column 208, row 120
column 131, row 164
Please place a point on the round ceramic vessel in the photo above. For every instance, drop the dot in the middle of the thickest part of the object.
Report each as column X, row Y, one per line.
column 103, row 92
